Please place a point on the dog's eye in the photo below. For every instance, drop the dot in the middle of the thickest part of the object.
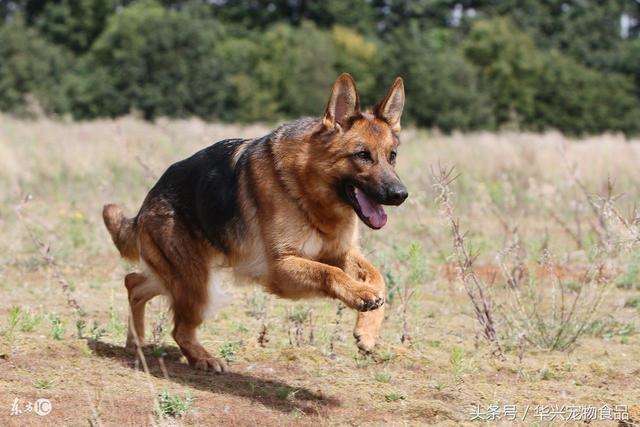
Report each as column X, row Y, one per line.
column 392, row 157
column 364, row 155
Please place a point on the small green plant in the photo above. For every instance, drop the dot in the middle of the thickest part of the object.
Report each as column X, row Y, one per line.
column 547, row 374
column 10, row 330
column 14, row 316
column 29, row 321
column 240, row 327
column 115, row 325
column 418, row 270
column 386, row 355
column 257, row 305
column 57, row 327
column 363, row 360
column 80, row 326
column 159, row 351
column 13, row 320
column 392, row 286
column 77, row 230
column 394, row 397
column 383, row 377
column 96, row 331
column 43, row 384
column 633, row 303
column 299, row 318
column 457, row 361
column 629, row 279
column 626, row 330
column 569, row 315
column 300, row 314
column 434, row 343
column 297, row 413
column 416, row 275
column 173, row 406
column 609, row 328
column 286, row 393
column 573, row 286
column 228, row 351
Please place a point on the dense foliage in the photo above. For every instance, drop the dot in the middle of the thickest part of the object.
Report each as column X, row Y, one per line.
column 468, row 64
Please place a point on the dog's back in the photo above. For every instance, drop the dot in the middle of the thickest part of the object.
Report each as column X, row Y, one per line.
column 201, row 191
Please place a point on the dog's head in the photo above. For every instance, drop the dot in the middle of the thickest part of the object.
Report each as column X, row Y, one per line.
column 358, row 150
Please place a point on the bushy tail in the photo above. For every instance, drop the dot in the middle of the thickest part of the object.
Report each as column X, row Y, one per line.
column 123, row 231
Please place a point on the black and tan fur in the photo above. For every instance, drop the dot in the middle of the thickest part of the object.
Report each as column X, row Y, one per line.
column 278, row 210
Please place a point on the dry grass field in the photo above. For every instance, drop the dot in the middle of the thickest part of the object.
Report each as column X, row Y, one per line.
column 539, row 231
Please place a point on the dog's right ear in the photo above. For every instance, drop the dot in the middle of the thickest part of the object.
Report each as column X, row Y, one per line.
column 344, row 102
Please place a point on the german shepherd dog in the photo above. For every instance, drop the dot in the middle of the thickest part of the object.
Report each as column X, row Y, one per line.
column 281, row 210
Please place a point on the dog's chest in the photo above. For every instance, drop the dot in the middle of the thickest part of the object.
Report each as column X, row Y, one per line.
column 306, row 243
column 318, row 246
column 311, row 246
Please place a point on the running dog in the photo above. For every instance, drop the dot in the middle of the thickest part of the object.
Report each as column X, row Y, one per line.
column 281, row 211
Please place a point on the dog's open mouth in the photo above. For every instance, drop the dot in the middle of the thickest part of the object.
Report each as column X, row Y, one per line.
column 370, row 212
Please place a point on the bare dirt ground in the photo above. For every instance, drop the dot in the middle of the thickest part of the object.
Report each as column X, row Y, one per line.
column 556, row 257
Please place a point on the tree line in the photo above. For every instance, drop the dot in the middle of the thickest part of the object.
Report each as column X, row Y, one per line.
column 570, row 65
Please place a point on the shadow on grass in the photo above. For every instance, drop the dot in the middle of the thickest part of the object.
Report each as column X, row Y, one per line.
column 271, row 393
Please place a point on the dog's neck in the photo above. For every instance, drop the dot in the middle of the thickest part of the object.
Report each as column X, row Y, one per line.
column 317, row 198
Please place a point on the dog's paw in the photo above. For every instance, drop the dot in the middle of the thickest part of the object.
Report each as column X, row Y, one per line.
column 361, row 298
column 131, row 347
column 367, row 300
column 212, row 364
column 365, row 342
column 371, row 304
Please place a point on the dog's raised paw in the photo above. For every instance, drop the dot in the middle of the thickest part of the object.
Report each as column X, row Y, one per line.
column 212, row 364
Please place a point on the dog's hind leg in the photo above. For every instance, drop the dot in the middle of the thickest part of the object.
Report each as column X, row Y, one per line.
column 190, row 300
column 189, row 305
column 182, row 263
column 184, row 333
column 140, row 290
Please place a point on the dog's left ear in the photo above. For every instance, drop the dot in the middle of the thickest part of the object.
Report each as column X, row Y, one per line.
column 390, row 108
column 343, row 103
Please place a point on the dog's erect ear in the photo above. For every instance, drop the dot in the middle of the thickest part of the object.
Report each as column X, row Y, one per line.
column 390, row 108
column 344, row 102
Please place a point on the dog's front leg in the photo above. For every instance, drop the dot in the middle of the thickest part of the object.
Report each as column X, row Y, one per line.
column 368, row 323
column 293, row 276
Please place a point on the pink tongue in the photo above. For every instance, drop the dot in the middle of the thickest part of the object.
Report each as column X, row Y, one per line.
column 370, row 209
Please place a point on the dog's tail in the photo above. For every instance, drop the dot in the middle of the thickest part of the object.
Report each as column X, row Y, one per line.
column 123, row 231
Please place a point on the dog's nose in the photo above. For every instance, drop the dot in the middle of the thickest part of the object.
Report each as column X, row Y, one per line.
column 396, row 194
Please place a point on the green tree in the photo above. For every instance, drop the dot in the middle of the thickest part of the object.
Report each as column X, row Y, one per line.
column 287, row 70
column 74, row 24
column 577, row 100
column 150, row 59
column 425, row 14
column 245, row 98
column 442, row 86
column 588, row 30
column 629, row 63
column 357, row 14
column 361, row 57
column 30, row 66
column 509, row 64
column 298, row 63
